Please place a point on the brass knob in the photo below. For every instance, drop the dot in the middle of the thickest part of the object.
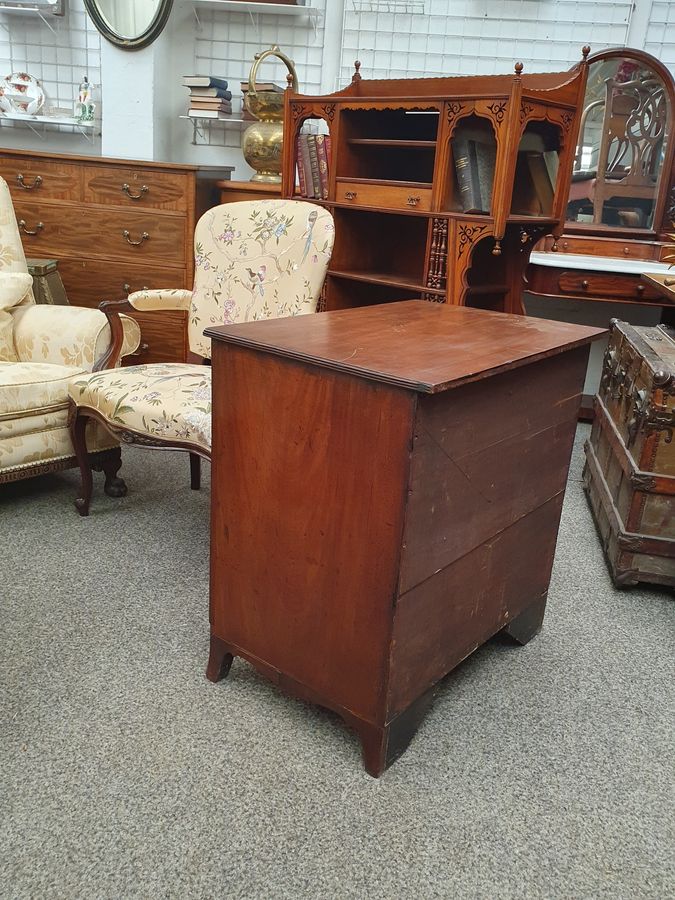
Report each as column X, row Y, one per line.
column 584, row 285
column 37, row 181
column 626, row 251
column 350, row 195
column 23, row 227
column 640, row 288
column 413, row 201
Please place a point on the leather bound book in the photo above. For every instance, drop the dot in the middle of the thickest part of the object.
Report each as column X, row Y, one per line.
column 314, row 166
column 307, row 164
column 323, row 164
column 467, row 173
column 302, row 177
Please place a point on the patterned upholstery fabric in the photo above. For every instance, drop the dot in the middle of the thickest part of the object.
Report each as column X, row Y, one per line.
column 257, row 259
column 41, row 349
column 67, row 335
column 253, row 260
column 34, row 415
column 169, row 402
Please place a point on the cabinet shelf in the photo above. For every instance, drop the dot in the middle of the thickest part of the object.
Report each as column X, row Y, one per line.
column 382, row 142
column 387, row 278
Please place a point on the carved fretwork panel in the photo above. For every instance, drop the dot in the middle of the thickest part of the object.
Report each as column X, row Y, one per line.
column 438, row 255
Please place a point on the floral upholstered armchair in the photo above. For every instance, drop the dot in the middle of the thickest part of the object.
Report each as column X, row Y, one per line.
column 253, row 260
column 41, row 349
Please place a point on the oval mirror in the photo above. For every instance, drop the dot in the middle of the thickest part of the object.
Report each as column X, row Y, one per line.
column 131, row 24
column 623, row 143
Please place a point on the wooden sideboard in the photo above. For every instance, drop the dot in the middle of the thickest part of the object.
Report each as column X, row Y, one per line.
column 400, row 476
column 115, row 226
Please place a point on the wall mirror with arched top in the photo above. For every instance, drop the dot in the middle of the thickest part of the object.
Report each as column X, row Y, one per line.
column 130, row 24
column 624, row 155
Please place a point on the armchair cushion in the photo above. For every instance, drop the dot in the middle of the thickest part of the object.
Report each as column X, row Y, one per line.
column 14, row 287
column 67, row 335
column 168, row 402
column 34, row 415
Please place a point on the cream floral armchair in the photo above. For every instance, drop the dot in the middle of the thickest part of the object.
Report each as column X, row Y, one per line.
column 41, row 349
column 253, row 260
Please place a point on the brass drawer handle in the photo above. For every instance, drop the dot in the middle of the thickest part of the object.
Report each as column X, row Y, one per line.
column 413, row 201
column 127, row 288
column 350, row 195
column 37, row 181
column 127, row 237
column 26, row 230
column 127, row 190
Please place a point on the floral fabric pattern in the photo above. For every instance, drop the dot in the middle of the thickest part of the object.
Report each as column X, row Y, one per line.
column 169, row 402
column 46, row 441
column 67, row 335
column 257, row 260
column 28, row 387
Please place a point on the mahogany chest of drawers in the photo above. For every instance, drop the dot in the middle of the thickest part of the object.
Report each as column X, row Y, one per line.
column 115, row 226
column 400, row 471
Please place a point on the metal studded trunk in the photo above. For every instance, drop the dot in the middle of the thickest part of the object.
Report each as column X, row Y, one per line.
column 629, row 475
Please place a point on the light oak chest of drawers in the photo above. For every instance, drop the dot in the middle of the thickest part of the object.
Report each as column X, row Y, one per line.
column 115, row 226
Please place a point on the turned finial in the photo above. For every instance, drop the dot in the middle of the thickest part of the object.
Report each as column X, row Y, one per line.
column 497, row 249
column 289, row 81
column 585, row 51
column 357, row 75
column 519, row 69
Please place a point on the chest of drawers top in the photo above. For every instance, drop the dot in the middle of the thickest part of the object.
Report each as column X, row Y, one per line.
column 105, row 181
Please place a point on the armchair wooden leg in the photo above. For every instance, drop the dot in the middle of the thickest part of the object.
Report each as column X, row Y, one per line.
column 195, row 471
column 111, row 462
column 78, row 423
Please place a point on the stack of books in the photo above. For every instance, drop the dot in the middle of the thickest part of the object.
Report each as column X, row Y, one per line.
column 260, row 86
column 209, row 97
column 313, row 154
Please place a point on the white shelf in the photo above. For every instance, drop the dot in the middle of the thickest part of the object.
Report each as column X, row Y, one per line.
column 201, row 128
column 37, row 123
column 270, row 9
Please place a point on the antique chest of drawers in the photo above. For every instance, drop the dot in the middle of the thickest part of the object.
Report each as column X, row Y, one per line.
column 114, row 226
column 629, row 474
column 400, row 476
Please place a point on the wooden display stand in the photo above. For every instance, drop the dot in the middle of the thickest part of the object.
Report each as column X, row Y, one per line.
column 399, row 197
column 400, row 472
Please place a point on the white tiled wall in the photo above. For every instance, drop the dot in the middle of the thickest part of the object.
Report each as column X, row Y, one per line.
column 660, row 40
column 468, row 37
column 391, row 38
column 58, row 58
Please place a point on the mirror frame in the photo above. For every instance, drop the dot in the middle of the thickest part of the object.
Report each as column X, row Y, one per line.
column 151, row 33
column 664, row 205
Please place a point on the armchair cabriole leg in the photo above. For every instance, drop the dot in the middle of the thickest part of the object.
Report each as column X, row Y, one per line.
column 195, row 471
column 77, row 423
column 111, row 463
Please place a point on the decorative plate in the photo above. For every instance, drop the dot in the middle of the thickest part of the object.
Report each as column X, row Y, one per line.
column 21, row 94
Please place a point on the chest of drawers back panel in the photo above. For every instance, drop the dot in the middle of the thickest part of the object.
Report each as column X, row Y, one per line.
column 115, row 226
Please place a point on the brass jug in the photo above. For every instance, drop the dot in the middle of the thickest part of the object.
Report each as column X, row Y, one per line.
column 262, row 141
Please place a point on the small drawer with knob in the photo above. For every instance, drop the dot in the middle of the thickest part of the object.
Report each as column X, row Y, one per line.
column 135, row 188
column 599, row 286
column 41, row 179
column 381, row 195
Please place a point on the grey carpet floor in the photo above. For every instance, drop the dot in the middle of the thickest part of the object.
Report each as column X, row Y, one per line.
column 541, row 772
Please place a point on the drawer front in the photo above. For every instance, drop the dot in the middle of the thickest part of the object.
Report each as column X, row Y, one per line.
column 39, row 179
column 385, row 196
column 605, row 247
column 623, row 287
column 88, row 282
column 50, row 229
column 136, row 188
column 163, row 337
